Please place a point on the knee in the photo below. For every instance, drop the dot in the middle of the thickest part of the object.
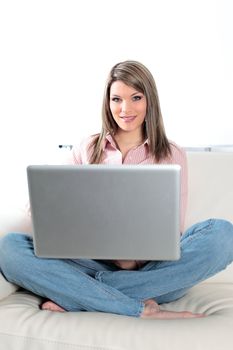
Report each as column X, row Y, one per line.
column 7, row 244
column 224, row 228
column 223, row 231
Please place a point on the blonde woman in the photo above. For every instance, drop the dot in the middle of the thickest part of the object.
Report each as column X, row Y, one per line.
column 132, row 133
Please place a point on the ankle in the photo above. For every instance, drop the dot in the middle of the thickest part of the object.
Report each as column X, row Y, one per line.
column 150, row 308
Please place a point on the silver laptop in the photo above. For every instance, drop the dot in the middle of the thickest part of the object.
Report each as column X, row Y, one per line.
column 106, row 211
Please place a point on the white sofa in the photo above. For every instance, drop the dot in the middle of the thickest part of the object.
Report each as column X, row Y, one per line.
column 23, row 326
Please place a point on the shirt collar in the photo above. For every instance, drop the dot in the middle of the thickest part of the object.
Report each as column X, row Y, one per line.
column 110, row 139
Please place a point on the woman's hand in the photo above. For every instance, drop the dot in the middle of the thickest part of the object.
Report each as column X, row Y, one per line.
column 126, row 264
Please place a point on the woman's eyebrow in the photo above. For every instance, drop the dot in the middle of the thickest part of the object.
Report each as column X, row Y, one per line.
column 135, row 93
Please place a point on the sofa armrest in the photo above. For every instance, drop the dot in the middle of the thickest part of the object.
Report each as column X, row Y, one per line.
column 13, row 219
column 6, row 288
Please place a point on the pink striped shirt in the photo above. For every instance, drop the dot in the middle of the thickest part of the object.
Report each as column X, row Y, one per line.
column 137, row 155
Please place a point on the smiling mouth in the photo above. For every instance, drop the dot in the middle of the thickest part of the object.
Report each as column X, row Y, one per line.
column 128, row 119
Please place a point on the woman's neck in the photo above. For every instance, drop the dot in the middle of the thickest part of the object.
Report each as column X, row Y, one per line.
column 129, row 138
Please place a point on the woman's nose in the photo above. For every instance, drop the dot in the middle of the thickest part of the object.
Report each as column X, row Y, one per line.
column 126, row 107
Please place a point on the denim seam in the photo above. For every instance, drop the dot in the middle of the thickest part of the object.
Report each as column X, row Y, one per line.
column 198, row 232
column 83, row 265
column 91, row 280
column 102, row 289
column 106, row 292
column 141, row 305
column 140, row 309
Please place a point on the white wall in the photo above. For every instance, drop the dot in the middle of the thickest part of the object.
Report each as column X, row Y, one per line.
column 55, row 56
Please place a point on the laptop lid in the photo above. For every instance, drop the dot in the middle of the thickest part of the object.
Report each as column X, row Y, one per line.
column 106, row 211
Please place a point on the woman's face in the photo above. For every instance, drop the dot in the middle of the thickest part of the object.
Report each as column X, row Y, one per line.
column 128, row 106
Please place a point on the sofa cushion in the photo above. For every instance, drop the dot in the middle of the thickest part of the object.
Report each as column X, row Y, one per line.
column 25, row 326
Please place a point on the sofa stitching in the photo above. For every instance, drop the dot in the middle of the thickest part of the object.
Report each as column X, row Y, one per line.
column 27, row 338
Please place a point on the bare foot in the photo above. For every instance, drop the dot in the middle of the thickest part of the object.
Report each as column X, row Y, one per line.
column 50, row 305
column 153, row 311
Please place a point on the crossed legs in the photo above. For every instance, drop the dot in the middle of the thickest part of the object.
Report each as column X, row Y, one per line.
column 206, row 249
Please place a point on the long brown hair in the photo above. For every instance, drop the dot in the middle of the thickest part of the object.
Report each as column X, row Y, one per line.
column 136, row 75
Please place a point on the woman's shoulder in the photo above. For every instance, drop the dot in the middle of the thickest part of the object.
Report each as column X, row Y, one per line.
column 176, row 148
column 178, row 153
column 82, row 150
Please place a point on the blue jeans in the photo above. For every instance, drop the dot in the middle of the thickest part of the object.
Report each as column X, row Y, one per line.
column 94, row 285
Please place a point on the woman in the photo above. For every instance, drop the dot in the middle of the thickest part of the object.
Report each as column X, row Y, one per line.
column 132, row 133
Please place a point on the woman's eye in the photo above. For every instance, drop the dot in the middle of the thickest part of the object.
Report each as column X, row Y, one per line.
column 115, row 99
column 137, row 98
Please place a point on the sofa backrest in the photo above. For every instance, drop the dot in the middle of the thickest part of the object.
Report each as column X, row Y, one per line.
column 211, row 193
column 210, row 186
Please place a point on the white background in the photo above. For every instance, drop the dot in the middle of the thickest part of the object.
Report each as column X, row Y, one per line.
column 55, row 57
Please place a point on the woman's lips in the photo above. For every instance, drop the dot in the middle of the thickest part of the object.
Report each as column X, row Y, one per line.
column 128, row 119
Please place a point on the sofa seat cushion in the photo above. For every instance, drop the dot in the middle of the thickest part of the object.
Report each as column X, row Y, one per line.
column 24, row 326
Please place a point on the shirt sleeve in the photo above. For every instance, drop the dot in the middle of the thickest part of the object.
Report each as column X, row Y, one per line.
column 179, row 157
column 81, row 154
column 76, row 155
